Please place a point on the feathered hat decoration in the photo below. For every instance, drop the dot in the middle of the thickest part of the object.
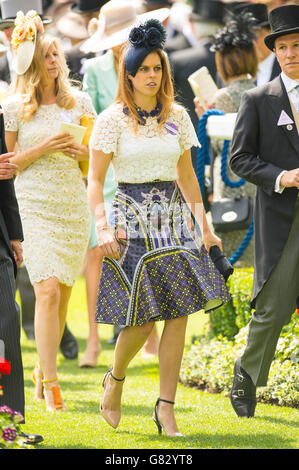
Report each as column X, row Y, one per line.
column 143, row 39
column 238, row 32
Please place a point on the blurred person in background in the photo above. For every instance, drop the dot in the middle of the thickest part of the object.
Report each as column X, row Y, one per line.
column 236, row 61
column 268, row 66
column 205, row 18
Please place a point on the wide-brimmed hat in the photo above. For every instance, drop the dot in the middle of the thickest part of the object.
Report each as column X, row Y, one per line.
column 258, row 10
column 87, row 6
column 116, row 19
column 210, row 11
column 10, row 8
column 23, row 39
column 71, row 25
column 283, row 20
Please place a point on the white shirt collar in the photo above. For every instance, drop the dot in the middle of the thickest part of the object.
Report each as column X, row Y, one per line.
column 288, row 82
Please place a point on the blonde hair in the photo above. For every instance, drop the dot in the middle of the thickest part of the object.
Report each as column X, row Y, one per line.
column 31, row 83
column 165, row 96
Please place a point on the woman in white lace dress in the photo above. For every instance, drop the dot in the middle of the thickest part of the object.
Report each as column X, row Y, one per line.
column 155, row 267
column 51, row 196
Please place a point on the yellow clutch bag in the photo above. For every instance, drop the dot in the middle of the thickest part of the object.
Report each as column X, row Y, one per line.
column 88, row 122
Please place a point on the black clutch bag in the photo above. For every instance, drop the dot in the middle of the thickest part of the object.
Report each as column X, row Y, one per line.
column 221, row 262
column 232, row 214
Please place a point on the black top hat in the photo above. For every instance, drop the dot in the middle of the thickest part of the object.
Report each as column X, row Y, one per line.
column 258, row 10
column 208, row 11
column 87, row 6
column 283, row 20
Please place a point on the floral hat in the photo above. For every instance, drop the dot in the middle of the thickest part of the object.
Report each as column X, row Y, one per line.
column 23, row 39
column 143, row 39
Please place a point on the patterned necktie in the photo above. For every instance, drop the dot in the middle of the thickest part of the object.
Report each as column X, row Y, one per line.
column 295, row 97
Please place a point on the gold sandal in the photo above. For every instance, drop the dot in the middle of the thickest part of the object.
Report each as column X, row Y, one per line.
column 52, row 396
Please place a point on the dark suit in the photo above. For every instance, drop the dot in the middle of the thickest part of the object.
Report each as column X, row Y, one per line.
column 183, row 63
column 261, row 149
column 10, row 229
column 176, row 43
column 4, row 69
column 75, row 60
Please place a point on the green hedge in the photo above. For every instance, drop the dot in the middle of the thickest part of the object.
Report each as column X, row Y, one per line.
column 209, row 363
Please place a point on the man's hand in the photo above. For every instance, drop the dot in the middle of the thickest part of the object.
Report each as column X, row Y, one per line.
column 290, row 179
column 17, row 251
column 7, row 169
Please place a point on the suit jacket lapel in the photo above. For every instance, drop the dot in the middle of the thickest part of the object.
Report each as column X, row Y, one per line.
column 279, row 101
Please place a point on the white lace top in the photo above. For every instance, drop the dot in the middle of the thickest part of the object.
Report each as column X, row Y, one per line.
column 147, row 156
column 51, row 194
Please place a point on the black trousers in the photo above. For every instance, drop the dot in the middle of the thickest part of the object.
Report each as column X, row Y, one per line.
column 13, row 384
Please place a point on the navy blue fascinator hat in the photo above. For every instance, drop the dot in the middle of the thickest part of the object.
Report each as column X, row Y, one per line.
column 143, row 39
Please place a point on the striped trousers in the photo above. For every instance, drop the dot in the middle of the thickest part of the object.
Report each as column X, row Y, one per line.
column 13, row 384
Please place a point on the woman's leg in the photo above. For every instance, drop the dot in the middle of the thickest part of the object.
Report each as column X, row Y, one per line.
column 171, row 350
column 51, row 308
column 151, row 346
column 47, row 325
column 129, row 342
column 92, row 276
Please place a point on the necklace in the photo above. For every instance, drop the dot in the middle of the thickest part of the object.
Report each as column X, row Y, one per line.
column 143, row 114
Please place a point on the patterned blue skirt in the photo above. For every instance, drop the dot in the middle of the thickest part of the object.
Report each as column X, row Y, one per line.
column 164, row 271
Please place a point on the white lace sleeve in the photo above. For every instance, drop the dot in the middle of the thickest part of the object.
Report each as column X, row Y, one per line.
column 105, row 133
column 10, row 114
column 187, row 134
column 86, row 104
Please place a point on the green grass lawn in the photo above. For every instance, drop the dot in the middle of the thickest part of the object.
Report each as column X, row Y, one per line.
column 207, row 421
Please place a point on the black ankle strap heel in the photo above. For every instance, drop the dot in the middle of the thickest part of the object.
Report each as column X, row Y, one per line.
column 155, row 417
column 109, row 372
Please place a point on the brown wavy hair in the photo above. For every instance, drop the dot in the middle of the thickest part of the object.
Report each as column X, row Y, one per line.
column 236, row 61
column 30, row 84
column 165, row 96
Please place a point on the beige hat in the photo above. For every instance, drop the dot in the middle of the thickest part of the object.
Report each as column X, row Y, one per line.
column 115, row 22
column 71, row 25
column 23, row 39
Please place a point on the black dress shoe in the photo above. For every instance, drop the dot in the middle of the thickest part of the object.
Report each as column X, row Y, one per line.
column 68, row 344
column 32, row 439
column 243, row 392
